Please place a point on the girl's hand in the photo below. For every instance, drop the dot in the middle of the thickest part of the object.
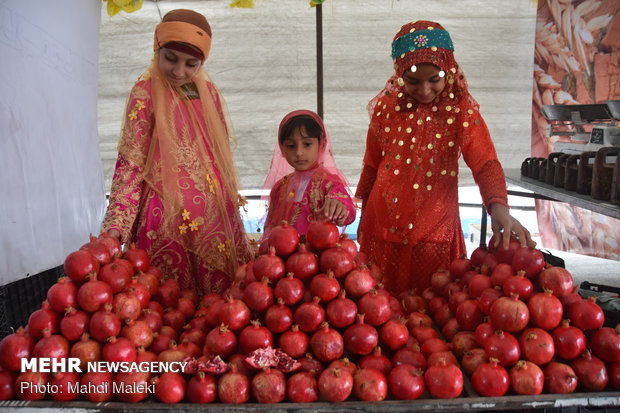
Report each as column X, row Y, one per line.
column 504, row 225
column 334, row 211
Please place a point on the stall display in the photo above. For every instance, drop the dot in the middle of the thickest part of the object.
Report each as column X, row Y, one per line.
column 309, row 321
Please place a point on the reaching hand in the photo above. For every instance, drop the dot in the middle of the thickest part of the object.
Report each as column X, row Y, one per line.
column 114, row 233
column 504, row 225
column 334, row 211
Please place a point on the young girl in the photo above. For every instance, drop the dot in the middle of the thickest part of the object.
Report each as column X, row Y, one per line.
column 304, row 181
column 421, row 123
column 174, row 190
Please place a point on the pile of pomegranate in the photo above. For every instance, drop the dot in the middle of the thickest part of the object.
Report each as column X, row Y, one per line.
column 309, row 320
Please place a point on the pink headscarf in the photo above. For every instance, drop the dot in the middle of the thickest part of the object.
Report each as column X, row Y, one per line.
column 279, row 168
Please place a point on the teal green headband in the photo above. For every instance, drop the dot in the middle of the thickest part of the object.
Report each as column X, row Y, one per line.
column 421, row 39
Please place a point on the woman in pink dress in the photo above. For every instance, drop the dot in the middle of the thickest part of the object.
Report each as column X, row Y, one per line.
column 174, row 191
column 305, row 183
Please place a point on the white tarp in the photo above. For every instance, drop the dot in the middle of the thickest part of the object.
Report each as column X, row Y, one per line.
column 51, row 191
column 264, row 61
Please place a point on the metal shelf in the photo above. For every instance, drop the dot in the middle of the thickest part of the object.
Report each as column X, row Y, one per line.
column 513, row 176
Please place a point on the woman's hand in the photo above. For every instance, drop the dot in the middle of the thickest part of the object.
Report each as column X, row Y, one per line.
column 504, row 225
column 114, row 233
column 334, row 211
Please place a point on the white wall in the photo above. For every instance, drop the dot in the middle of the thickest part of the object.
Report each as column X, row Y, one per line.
column 51, row 181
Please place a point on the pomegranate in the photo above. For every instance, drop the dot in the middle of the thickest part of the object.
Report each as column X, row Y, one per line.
column 284, row 239
column 444, row 381
column 394, row 334
column 269, row 386
column 558, row 280
column 138, row 333
column 137, row 257
column 322, row 234
column 537, row 346
column 302, row 387
column 79, row 264
column 335, row 385
column 31, row 385
column 559, row 378
column 605, row 344
column 462, row 342
column 117, row 274
column 14, row 347
column 460, row 266
column 490, row 379
column 509, row 314
column 439, row 280
column 51, row 346
column 478, row 255
column 234, row 313
column 341, row 311
column 528, row 259
column 409, row 356
column 93, row 294
column 255, row 336
column 351, row 247
column 86, row 350
column 325, row 286
column 303, row 264
column 375, row 307
column 370, row 385
column 591, row 372
column 336, row 259
column 504, row 347
column 406, row 382
column 233, row 387
column 361, row 338
column 62, row 295
column 569, row 341
column 41, row 319
column 505, row 255
column 101, row 382
column 278, row 317
column 526, row 378
column 440, row 357
column 376, row 360
column 518, row 284
column 269, row 266
column 133, row 386
column 104, row 324
column 411, row 301
column 289, row 289
column 65, row 384
column 170, row 387
column 113, row 244
column 74, row 324
column 119, row 349
column 472, row 359
column 258, row 295
column 586, row 314
column 295, row 343
column 468, row 315
column 309, row 315
column 545, row 310
column 100, row 251
column 478, row 284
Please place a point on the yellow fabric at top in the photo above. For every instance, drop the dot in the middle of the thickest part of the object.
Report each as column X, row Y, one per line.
column 128, row 6
column 245, row 4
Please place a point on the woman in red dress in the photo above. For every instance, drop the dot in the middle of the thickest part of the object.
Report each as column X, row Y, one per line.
column 421, row 123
